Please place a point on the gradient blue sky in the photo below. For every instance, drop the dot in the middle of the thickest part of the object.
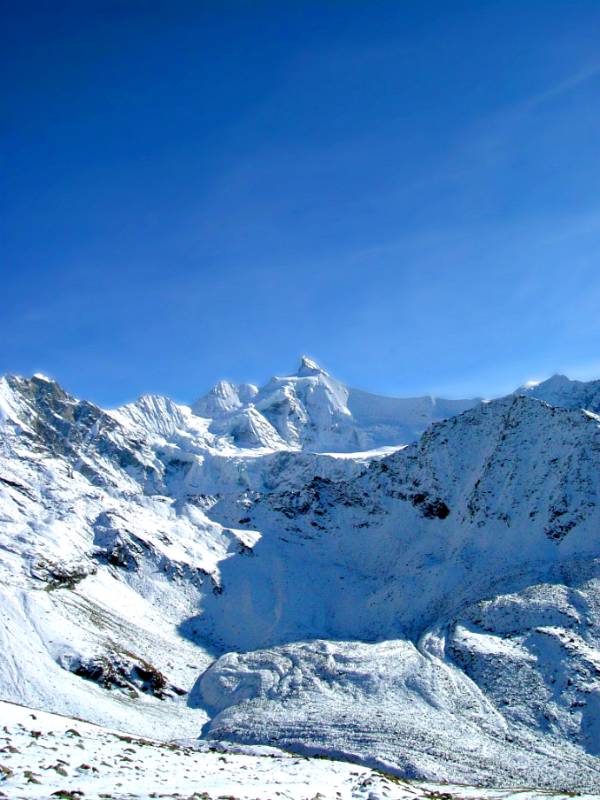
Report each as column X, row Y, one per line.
column 407, row 191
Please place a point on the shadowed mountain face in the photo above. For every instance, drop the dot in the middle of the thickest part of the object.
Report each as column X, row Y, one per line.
column 240, row 568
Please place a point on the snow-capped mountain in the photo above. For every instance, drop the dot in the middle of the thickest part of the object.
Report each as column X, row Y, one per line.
column 561, row 391
column 249, row 569
column 312, row 410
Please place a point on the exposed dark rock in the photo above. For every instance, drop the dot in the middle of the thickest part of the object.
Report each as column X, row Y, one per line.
column 123, row 671
column 61, row 576
column 431, row 509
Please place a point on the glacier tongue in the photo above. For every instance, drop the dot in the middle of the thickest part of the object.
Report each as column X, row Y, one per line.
column 391, row 705
column 434, row 610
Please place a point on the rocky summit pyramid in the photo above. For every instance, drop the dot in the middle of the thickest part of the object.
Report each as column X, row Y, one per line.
column 410, row 584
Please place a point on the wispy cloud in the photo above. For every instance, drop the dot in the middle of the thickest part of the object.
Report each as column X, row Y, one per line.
column 561, row 88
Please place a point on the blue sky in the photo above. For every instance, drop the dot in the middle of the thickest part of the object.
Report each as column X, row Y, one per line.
column 407, row 191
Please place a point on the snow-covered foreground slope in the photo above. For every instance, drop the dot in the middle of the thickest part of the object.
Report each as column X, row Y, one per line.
column 43, row 755
column 432, row 610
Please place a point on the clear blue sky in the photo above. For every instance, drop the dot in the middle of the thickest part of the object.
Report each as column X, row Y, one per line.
column 408, row 191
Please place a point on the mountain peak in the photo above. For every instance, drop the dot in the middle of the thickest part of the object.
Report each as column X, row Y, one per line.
column 223, row 397
column 559, row 379
column 554, row 382
column 309, row 366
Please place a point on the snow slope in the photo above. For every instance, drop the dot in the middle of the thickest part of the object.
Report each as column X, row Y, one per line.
column 431, row 609
column 45, row 755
